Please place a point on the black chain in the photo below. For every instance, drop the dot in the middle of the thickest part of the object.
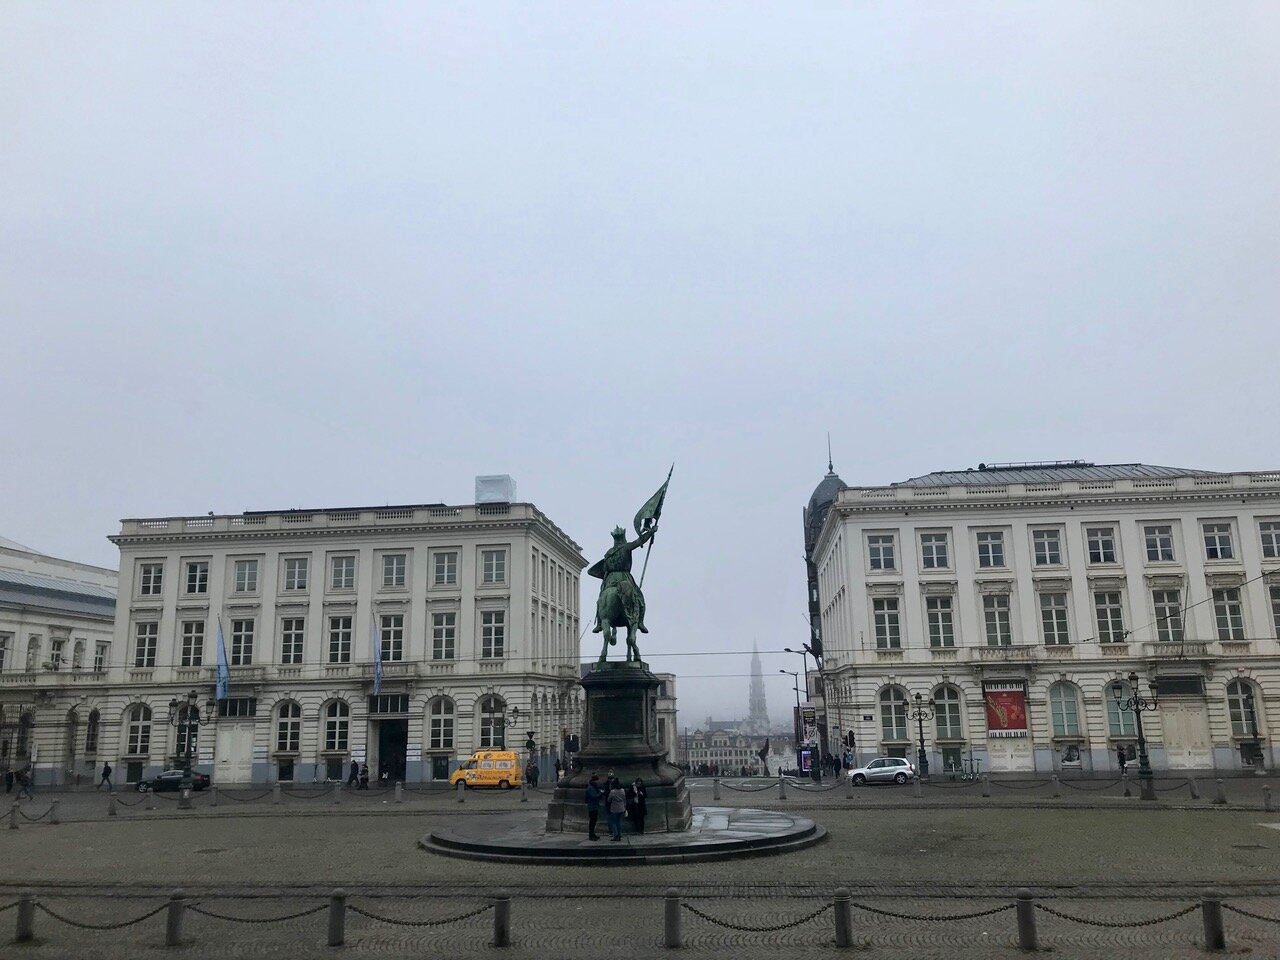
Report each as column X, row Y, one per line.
column 924, row 917
column 834, row 786
column 949, row 786
column 1176, row 786
column 1025, row 786
column 308, row 796
column 227, row 796
column 1075, row 786
column 767, row 786
column 126, row 803
column 8, row 906
column 34, row 819
column 100, row 926
column 728, row 925
column 291, row 916
column 421, row 923
column 1249, row 913
column 1120, row 923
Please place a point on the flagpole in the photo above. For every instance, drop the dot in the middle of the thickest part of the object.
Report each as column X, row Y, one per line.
column 649, row 545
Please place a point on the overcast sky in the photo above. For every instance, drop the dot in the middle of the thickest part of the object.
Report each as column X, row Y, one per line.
column 256, row 256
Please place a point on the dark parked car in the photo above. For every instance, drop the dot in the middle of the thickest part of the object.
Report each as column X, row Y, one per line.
column 172, row 780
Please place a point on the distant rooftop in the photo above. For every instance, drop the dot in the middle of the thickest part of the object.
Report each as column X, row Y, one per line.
column 1046, row 471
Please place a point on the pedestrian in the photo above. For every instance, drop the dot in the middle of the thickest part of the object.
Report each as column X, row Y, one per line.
column 594, row 795
column 364, row 777
column 617, row 801
column 24, row 783
column 531, row 774
column 355, row 773
column 559, row 769
column 8, row 780
column 1121, row 757
column 637, row 804
column 106, row 776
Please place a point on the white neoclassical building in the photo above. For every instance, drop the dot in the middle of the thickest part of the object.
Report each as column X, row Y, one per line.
column 1016, row 596
column 471, row 611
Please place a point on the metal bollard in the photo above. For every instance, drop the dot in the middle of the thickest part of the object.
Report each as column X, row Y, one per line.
column 524, row 790
column 1267, row 803
column 337, row 917
column 671, row 937
column 1057, row 786
column 502, row 919
column 53, row 811
column 1124, row 777
column 337, row 792
column 13, row 816
column 213, row 796
column 173, row 919
column 184, row 798
column 1026, row 909
column 715, row 788
column 1215, row 936
column 1195, row 788
column 462, row 791
column 111, row 804
column 399, row 792
column 782, row 787
column 150, row 800
column 844, row 918
column 849, row 781
column 1220, row 797
column 919, row 789
column 277, row 794
column 26, row 929
column 986, row 785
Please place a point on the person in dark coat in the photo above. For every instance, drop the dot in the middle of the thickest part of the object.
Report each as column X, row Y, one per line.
column 594, row 796
column 355, row 773
column 1121, row 758
column 106, row 777
column 637, row 804
column 364, row 777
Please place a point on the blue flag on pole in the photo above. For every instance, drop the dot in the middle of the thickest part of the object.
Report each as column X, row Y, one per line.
column 224, row 672
column 375, row 641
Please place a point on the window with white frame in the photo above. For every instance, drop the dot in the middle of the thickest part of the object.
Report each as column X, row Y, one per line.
column 1120, row 722
column 5, row 638
column 394, row 566
column 946, row 703
column 1053, row 618
column 1101, row 544
column 296, row 570
column 493, row 633
column 493, row 566
column 996, row 619
column 893, row 713
column 337, row 727
column 445, row 572
column 935, row 553
column 1228, row 614
column 197, row 577
column 880, row 551
column 990, row 548
column 391, row 630
column 441, row 732
column 1064, row 709
column 493, row 722
column 101, row 652
column 138, row 720
column 1275, row 610
column 887, row 619
column 941, row 618
column 55, row 653
column 1217, row 541
column 444, row 630
column 192, row 651
column 1109, row 613
column 1168, row 610
column 292, row 635
column 342, row 573
column 1047, row 547
column 1241, row 707
column 340, row 639
column 145, row 636
column 150, row 579
column 242, row 642
column 1269, row 532
column 246, row 576
column 289, row 728
column 1159, row 542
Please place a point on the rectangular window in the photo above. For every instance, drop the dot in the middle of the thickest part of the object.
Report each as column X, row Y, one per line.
column 198, row 577
column 995, row 613
column 238, row 707
column 888, row 624
column 100, row 657
column 144, row 650
column 1053, row 618
column 1102, row 544
column 4, row 648
column 934, row 553
column 1047, row 547
column 339, row 639
column 241, row 642
column 1217, row 542
column 342, row 573
column 880, row 551
column 1159, row 540
column 289, row 735
column 393, row 570
column 941, row 621
column 991, row 548
column 1269, row 531
column 1168, row 610
column 150, row 579
column 391, row 630
column 1275, row 610
column 192, row 643
column 1228, row 614
column 291, row 637
column 445, row 573
column 246, row 578
column 443, row 634
column 295, row 573
column 493, row 566
column 493, row 633
column 1110, row 616
column 389, row 703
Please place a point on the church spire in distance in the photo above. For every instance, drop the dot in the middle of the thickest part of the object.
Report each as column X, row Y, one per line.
column 757, row 709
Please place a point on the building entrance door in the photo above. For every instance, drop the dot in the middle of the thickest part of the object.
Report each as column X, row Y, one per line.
column 393, row 744
column 233, row 753
column 1186, row 735
column 1009, row 754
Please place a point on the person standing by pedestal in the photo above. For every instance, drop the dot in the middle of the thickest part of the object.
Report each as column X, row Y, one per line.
column 106, row 777
column 617, row 801
column 636, row 805
column 1121, row 758
column 594, row 796
column 364, row 777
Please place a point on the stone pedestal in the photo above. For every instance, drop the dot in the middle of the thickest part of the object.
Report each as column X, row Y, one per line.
column 620, row 736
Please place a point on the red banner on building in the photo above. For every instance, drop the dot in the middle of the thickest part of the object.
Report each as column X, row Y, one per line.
column 1006, row 709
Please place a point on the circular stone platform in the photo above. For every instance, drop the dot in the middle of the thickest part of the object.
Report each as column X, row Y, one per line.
column 717, row 833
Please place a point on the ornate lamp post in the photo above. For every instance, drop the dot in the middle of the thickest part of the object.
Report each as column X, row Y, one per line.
column 1136, row 704
column 185, row 714
column 1257, row 738
column 921, row 712
column 805, row 652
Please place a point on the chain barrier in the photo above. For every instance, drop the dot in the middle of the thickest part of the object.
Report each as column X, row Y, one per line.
column 99, row 926
column 804, row 789
column 126, row 803
column 1076, row 786
column 289, row 916
column 308, row 796
column 1250, row 914
column 920, row 917
column 1120, row 923
column 23, row 813
column 1024, row 786
column 420, row 923
column 1176, row 786
column 227, row 796
column 767, row 786
column 770, row 928
column 949, row 786
column 8, row 906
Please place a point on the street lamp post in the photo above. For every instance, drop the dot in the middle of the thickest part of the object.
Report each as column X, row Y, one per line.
column 921, row 712
column 1257, row 738
column 1137, row 704
column 799, row 732
column 185, row 714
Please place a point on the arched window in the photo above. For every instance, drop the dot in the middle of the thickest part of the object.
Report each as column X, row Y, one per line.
column 893, row 713
column 91, row 732
column 1064, row 709
column 1243, row 709
column 138, row 721
column 77, row 656
column 493, row 724
column 947, row 701
column 337, row 726
column 289, row 727
column 1120, row 723
column 441, row 711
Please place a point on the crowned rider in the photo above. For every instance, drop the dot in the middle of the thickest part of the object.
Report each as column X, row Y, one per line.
column 615, row 571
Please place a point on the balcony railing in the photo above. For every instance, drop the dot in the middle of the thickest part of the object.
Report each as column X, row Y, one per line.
column 1176, row 651
column 1012, row 653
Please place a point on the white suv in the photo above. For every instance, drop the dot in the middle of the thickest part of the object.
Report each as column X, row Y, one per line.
column 883, row 770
